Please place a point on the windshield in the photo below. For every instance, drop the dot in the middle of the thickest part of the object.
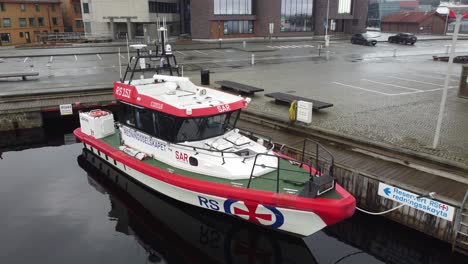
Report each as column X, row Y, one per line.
column 199, row 128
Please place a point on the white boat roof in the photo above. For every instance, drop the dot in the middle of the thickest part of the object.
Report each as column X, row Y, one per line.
column 177, row 96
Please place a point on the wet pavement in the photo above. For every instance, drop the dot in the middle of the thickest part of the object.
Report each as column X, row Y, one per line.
column 376, row 96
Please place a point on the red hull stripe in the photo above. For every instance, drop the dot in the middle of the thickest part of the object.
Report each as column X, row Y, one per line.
column 329, row 210
column 129, row 93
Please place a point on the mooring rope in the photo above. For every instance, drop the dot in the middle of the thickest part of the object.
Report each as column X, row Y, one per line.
column 431, row 195
column 380, row 213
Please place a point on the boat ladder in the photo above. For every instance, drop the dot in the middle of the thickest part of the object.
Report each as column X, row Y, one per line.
column 460, row 240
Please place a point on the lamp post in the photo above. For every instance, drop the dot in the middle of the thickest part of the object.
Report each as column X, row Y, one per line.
column 459, row 10
column 326, row 25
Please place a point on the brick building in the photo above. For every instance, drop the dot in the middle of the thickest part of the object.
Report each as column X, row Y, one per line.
column 72, row 18
column 415, row 22
column 22, row 21
column 287, row 18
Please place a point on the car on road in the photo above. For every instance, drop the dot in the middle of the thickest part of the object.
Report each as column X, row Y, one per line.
column 363, row 39
column 404, row 38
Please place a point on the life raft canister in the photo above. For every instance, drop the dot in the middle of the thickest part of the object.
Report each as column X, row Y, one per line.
column 98, row 113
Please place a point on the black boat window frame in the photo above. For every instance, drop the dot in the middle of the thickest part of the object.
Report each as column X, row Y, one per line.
column 170, row 128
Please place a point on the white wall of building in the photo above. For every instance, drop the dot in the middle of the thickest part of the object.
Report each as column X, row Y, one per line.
column 97, row 22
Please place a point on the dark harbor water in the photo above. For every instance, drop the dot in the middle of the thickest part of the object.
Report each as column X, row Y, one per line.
column 60, row 206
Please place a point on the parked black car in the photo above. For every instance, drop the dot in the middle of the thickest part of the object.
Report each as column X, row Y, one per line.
column 405, row 38
column 363, row 39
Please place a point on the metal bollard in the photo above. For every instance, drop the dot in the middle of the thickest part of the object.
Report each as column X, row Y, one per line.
column 328, row 54
column 253, row 59
column 244, row 44
column 447, row 47
column 394, row 52
column 182, row 70
column 319, row 49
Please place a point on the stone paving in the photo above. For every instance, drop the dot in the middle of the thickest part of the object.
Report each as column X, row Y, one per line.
column 384, row 113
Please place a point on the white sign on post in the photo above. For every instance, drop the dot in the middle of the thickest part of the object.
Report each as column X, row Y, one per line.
column 66, row 109
column 423, row 204
column 272, row 28
column 304, row 112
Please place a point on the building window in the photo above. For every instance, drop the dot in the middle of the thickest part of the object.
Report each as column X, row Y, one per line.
column 160, row 7
column 21, row 35
column 238, row 27
column 77, row 8
column 2, row 7
column 38, row 7
column 86, row 8
column 78, row 23
column 40, row 21
column 233, row 7
column 32, row 22
column 6, row 22
column 345, row 6
column 54, row 21
column 296, row 15
column 22, row 22
column 52, row 7
column 23, row 7
column 5, row 37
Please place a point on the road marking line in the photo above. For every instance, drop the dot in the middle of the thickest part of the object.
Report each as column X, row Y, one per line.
column 217, row 51
column 309, row 46
column 431, row 77
column 394, row 85
column 181, row 53
column 51, row 59
column 445, row 73
column 200, row 52
column 423, row 91
column 121, row 56
column 99, row 56
column 360, row 88
column 410, row 80
column 25, row 60
column 76, row 57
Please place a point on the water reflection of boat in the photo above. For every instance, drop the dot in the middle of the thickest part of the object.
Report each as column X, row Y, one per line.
column 165, row 227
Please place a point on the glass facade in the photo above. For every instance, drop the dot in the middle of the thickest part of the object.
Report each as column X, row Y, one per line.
column 233, row 7
column 344, row 6
column 296, row 15
column 238, row 27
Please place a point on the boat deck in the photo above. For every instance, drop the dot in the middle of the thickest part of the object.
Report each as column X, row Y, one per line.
column 292, row 177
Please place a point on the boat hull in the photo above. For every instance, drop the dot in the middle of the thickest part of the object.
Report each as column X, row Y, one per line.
column 298, row 215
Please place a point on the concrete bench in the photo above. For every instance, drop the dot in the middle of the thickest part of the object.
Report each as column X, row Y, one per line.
column 289, row 98
column 241, row 88
column 23, row 75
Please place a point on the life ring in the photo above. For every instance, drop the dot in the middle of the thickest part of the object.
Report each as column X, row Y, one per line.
column 97, row 113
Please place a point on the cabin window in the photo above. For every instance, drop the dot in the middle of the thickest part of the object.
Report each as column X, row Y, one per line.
column 145, row 121
column 128, row 115
column 166, row 126
column 193, row 129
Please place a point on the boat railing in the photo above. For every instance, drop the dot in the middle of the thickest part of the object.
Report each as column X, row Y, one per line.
column 278, row 169
column 136, row 64
column 317, row 162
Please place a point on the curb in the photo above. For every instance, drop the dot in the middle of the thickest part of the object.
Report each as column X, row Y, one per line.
column 362, row 141
column 57, row 90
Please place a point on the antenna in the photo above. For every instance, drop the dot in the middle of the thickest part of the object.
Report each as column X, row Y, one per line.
column 120, row 67
column 128, row 50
